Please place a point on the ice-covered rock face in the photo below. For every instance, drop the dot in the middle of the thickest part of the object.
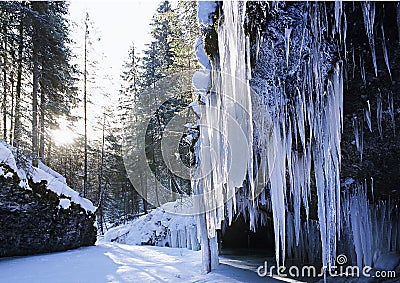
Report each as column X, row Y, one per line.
column 299, row 76
column 39, row 212
column 327, row 74
column 158, row 228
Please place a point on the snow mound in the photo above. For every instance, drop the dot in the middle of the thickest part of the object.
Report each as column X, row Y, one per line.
column 158, row 228
column 55, row 182
column 201, row 55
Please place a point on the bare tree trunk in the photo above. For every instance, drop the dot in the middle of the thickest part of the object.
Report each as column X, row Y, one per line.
column 17, row 118
column 48, row 163
column 42, row 133
column 35, row 87
column 85, row 170
column 100, row 205
column 144, row 193
column 11, row 139
column 5, row 85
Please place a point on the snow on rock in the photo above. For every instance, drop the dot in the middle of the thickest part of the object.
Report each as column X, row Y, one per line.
column 39, row 213
column 52, row 172
column 205, row 12
column 158, row 228
column 65, row 203
column 7, row 157
column 201, row 80
column 200, row 54
column 55, row 182
column 6, row 175
column 58, row 186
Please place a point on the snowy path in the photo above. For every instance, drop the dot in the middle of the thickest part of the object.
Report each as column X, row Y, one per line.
column 110, row 262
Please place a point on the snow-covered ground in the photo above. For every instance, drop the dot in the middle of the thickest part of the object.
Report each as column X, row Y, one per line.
column 112, row 262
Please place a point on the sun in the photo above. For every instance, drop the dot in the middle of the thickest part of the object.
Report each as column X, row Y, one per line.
column 63, row 136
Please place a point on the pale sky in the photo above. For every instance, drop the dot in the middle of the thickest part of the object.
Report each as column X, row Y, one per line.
column 118, row 24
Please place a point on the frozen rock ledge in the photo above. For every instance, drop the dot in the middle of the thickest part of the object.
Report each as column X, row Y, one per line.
column 39, row 213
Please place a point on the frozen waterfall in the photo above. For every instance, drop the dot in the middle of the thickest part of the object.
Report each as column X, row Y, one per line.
column 291, row 136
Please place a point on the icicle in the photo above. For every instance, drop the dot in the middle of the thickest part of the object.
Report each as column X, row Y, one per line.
column 379, row 112
column 368, row 116
column 338, row 16
column 302, row 40
column 287, row 43
column 361, row 140
column 369, row 19
column 278, row 188
column 362, row 70
column 354, row 62
column 356, row 132
column 227, row 122
column 385, row 53
column 257, row 44
column 373, row 226
column 372, row 190
column 391, row 111
column 300, row 119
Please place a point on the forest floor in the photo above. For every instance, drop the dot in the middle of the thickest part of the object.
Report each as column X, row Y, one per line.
column 112, row 262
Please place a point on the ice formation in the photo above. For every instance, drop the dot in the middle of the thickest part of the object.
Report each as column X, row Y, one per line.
column 368, row 116
column 324, row 118
column 379, row 113
column 158, row 228
column 373, row 228
column 294, row 143
column 385, row 52
column 368, row 8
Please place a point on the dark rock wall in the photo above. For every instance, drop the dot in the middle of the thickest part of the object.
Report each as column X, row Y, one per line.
column 31, row 221
column 381, row 153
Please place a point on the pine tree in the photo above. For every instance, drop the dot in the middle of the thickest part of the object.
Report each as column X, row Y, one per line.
column 186, row 33
column 169, row 51
column 163, row 35
column 34, row 44
column 159, row 57
column 57, row 90
column 18, row 91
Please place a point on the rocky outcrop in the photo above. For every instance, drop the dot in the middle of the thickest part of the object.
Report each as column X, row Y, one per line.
column 39, row 216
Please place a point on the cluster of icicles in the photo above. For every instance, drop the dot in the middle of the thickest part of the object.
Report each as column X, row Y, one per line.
column 314, row 125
